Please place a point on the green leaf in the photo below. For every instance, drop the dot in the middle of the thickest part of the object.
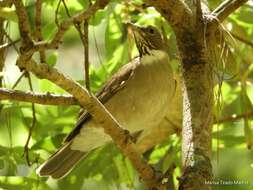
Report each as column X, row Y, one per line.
column 52, row 59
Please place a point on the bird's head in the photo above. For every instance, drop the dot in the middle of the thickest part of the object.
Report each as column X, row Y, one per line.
column 147, row 38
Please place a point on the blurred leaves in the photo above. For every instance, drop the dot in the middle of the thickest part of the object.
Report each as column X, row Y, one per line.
column 8, row 14
column 106, row 168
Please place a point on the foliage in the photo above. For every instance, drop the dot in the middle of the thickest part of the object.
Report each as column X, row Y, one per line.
column 106, row 168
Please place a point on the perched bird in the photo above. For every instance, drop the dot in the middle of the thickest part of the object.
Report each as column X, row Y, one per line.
column 138, row 96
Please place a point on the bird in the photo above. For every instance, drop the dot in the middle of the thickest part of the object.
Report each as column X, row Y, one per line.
column 137, row 95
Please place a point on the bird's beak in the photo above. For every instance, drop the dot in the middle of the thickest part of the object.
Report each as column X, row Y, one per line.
column 136, row 30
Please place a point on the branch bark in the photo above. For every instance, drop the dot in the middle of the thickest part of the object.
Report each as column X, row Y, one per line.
column 174, row 11
column 45, row 99
column 38, row 33
column 223, row 11
column 24, row 25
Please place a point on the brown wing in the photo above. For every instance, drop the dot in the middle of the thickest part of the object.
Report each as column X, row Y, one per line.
column 61, row 162
column 117, row 82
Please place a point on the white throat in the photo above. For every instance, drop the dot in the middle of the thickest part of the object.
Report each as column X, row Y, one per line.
column 154, row 56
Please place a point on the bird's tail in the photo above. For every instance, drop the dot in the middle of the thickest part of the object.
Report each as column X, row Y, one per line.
column 61, row 162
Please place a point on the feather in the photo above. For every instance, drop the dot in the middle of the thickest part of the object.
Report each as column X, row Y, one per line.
column 61, row 162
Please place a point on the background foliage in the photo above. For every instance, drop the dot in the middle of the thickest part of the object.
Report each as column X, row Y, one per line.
column 110, row 48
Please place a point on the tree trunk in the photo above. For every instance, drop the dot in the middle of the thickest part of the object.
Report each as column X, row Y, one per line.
column 188, row 23
column 197, row 90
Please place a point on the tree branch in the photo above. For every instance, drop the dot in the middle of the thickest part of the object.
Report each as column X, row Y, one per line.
column 38, row 34
column 197, row 87
column 234, row 117
column 247, row 42
column 86, row 54
column 99, row 113
column 174, row 11
column 223, row 11
column 38, row 98
column 24, row 26
column 26, row 147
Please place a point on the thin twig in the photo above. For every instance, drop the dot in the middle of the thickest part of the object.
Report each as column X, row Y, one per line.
column 100, row 4
column 234, row 117
column 63, row 26
column 85, row 41
column 19, row 79
column 38, row 98
column 56, row 13
column 38, row 34
column 26, row 147
column 86, row 54
column 12, row 43
column 7, row 45
column 247, row 42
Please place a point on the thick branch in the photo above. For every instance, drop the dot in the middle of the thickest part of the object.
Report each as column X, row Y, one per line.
column 99, row 113
column 226, row 8
column 38, row 98
column 197, row 86
column 175, row 11
column 223, row 11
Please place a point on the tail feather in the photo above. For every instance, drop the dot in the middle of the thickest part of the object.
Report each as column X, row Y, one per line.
column 61, row 163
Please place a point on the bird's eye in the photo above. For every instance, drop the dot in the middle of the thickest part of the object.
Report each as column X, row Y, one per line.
column 151, row 30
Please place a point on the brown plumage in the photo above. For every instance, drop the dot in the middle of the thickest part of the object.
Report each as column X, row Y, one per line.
column 138, row 96
column 61, row 162
column 64, row 160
